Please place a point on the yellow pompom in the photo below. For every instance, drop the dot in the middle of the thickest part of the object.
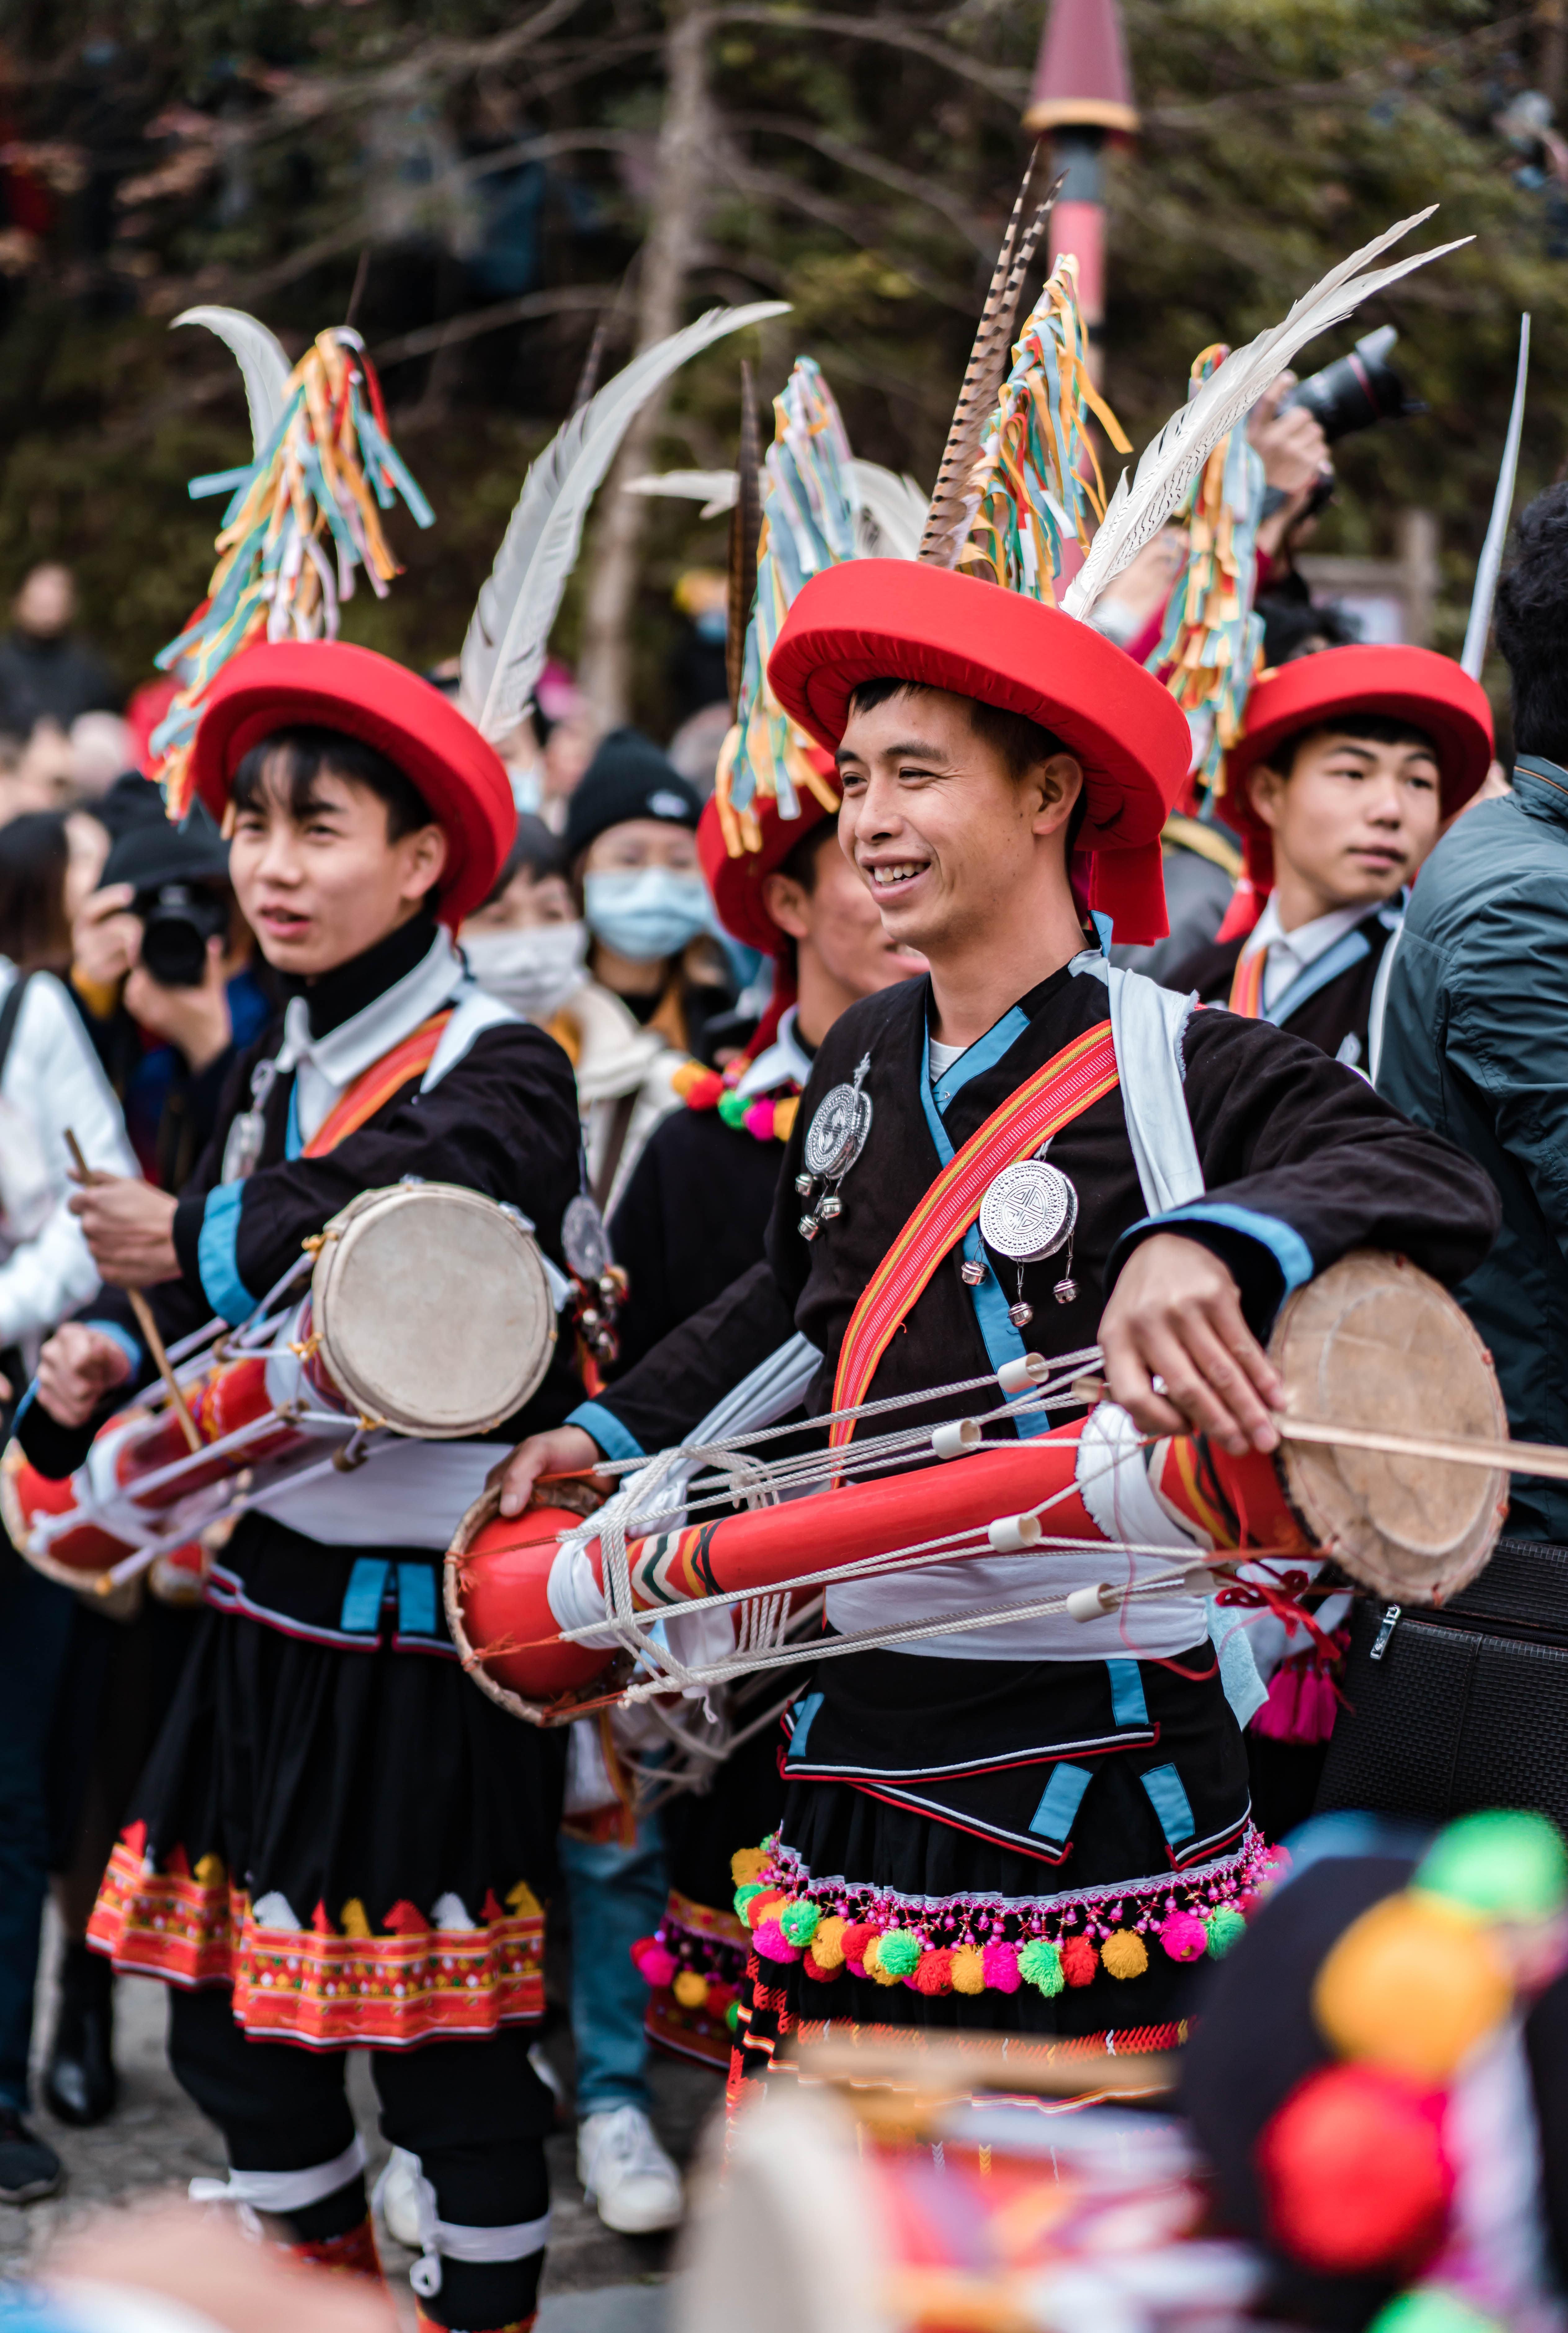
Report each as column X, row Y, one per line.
column 690, row 1990
column 785, row 1112
column 1411, row 1985
column 828, row 1943
column 764, row 1907
column 747, row 1863
column 1124, row 1953
column 873, row 1964
column 968, row 1970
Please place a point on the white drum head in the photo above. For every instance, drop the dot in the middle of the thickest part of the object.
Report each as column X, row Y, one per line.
column 433, row 1309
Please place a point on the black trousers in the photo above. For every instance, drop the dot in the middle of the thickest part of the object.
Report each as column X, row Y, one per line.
column 474, row 2112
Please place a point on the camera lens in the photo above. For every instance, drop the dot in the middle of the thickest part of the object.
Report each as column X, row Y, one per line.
column 1356, row 390
column 176, row 923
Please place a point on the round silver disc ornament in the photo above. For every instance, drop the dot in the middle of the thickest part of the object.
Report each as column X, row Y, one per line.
column 583, row 1239
column 1028, row 1211
column 839, row 1125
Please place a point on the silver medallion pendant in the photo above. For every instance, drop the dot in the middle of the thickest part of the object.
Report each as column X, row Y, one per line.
column 583, row 1243
column 834, row 1140
column 1028, row 1211
column 837, row 1133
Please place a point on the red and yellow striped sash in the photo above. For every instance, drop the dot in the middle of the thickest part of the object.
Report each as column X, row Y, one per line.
column 1246, row 986
column 1077, row 1076
column 374, row 1086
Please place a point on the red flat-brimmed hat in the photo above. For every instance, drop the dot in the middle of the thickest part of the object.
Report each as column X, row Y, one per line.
column 894, row 619
column 736, row 883
column 1406, row 684
column 329, row 685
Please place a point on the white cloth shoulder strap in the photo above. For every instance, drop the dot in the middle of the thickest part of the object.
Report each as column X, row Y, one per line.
column 1147, row 1023
column 473, row 1012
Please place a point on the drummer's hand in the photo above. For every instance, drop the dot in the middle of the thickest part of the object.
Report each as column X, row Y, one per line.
column 564, row 1450
column 129, row 1228
column 76, row 1368
column 1175, row 1313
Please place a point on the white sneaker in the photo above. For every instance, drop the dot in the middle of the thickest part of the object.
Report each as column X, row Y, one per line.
column 396, row 2200
column 626, row 2175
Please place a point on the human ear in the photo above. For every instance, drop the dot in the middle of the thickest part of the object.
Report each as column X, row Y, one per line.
column 784, row 901
column 424, row 860
column 1058, row 783
column 1266, row 787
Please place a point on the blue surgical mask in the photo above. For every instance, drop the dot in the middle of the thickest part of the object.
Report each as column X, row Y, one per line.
column 647, row 914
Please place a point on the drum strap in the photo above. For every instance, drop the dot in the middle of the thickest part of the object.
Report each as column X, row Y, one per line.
column 375, row 1087
column 1246, row 985
column 1079, row 1074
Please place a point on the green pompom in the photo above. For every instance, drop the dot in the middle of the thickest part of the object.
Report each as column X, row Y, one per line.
column 732, row 2016
column 1040, row 1963
column 1427, row 2308
column 1504, row 1866
column 900, row 1951
column 732, row 1109
column 799, row 1922
column 743, row 1896
column 1226, row 1927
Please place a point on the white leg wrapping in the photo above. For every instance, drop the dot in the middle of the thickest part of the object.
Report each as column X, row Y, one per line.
column 279, row 2192
column 480, row 2246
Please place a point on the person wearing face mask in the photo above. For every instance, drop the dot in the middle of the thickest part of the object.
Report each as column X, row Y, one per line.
column 657, row 976
column 525, row 944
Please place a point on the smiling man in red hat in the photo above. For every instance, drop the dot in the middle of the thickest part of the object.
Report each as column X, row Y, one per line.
column 996, row 1797
column 329, row 1788
column 1349, row 761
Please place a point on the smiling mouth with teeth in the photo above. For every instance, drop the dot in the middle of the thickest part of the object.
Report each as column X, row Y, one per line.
column 885, row 875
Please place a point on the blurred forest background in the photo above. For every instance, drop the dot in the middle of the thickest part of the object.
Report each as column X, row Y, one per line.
column 489, row 183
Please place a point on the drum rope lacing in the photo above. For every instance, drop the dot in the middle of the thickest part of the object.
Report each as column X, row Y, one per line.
column 644, row 1508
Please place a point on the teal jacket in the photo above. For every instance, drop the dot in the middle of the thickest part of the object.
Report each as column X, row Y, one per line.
column 1476, row 1045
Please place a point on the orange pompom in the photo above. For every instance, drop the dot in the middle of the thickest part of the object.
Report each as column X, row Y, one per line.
column 828, row 1943
column 1412, row 1985
column 1125, row 1953
column 747, row 1863
column 690, row 1988
column 968, row 1970
column 764, row 1907
column 1354, row 2174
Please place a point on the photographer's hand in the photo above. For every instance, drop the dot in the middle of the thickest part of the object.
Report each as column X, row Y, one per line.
column 104, row 937
column 1295, row 456
column 194, row 1020
column 130, row 1229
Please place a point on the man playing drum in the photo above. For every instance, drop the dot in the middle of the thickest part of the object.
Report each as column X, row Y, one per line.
column 1046, row 1819
column 338, row 1841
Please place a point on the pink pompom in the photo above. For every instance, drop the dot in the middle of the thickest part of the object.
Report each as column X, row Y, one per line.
column 999, row 1965
column 1184, row 1937
column 657, row 1967
column 640, row 1945
column 772, row 1942
column 758, row 1120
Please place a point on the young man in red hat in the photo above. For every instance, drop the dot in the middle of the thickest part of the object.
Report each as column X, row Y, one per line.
column 994, row 1795
column 338, row 1841
column 1348, row 765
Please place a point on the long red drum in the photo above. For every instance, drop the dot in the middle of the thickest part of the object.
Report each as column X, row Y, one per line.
column 504, row 1572
column 1371, row 1343
column 429, row 1314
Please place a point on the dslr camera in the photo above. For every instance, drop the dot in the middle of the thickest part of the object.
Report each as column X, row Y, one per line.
column 177, row 919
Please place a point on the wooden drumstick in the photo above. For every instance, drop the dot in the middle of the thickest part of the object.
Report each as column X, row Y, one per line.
column 1544, row 1458
column 85, row 1174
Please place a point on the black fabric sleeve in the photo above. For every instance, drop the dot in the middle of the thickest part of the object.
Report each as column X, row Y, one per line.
column 1303, row 1161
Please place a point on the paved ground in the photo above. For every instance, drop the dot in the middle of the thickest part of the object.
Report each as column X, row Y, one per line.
column 594, row 2282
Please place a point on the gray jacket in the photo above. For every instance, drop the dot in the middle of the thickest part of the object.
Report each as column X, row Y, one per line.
column 1476, row 1045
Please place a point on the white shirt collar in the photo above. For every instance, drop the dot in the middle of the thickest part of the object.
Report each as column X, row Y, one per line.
column 1290, row 953
column 328, row 1065
column 785, row 1059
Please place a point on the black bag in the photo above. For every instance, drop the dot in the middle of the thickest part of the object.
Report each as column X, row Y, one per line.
column 1465, row 1707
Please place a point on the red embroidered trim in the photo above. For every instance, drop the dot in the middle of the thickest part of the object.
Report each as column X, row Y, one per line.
column 300, row 1986
column 353, row 2253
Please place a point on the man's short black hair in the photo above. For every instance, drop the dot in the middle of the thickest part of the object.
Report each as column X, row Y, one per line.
column 1367, row 728
column 1022, row 743
column 1532, row 625
column 306, row 753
